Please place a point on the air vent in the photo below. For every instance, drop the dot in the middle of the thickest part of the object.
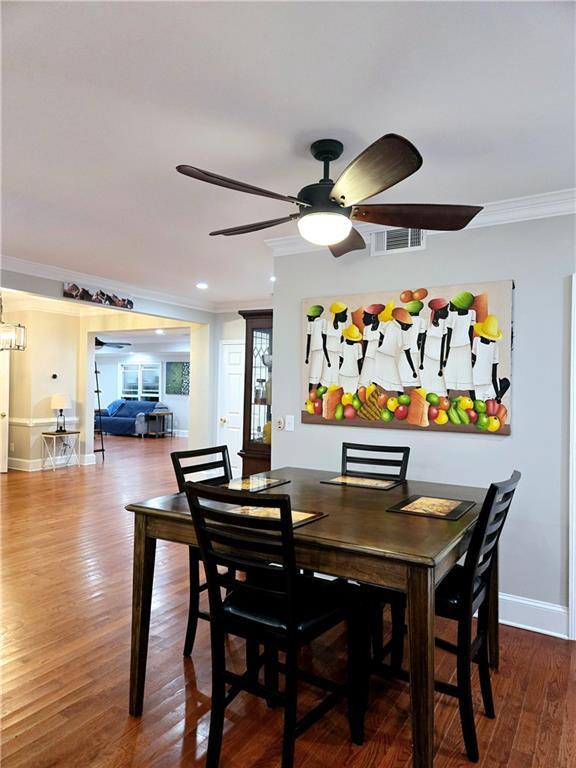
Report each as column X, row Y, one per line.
column 389, row 240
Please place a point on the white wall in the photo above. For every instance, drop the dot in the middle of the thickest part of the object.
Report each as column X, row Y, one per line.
column 539, row 256
column 108, row 365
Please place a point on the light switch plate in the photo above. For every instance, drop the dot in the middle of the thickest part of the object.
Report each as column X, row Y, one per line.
column 289, row 423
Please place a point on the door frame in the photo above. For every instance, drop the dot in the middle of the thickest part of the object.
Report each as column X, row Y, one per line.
column 572, row 476
column 5, row 398
column 222, row 346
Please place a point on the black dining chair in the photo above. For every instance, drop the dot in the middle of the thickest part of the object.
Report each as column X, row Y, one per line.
column 214, row 462
column 394, row 459
column 274, row 606
column 465, row 590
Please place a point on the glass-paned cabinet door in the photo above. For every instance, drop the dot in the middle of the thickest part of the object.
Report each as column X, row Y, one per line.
column 261, row 399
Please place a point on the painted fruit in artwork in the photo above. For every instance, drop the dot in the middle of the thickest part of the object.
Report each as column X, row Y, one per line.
column 362, row 394
column 386, row 415
column 349, row 411
column 369, row 389
column 318, row 406
column 313, row 395
column 401, row 412
column 406, row 296
column 465, row 403
column 441, row 418
column 491, row 407
column 479, row 406
column 347, row 398
column 356, row 402
column 493, row 423
column 339, row 412
column 432, row 398
column 309, row 406
column 444, row 403
column 381, row 400
column 482, row 422
column 420, row 294
column 472, row 415
column 433, row 412
column 321, row 391
column 404, row 399
column 392, row 403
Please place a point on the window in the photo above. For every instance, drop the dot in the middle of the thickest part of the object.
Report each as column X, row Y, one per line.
column 140, row 382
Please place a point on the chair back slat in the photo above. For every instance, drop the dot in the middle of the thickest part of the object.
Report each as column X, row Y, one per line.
column 194, row 464
column 354, row 455
column 246, row 543
column 487, row 531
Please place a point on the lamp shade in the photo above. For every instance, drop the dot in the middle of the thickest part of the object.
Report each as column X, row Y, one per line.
column 60, row 402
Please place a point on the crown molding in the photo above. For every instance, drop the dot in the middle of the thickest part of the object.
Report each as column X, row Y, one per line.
column 512, row 211
column 35, row 269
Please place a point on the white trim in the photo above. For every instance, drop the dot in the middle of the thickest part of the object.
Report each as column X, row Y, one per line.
column 49, row 272
column 35, row 465
column 572, row 477
column 50, row 421
column 560, row 203
column 533, row 615
column 180, row 433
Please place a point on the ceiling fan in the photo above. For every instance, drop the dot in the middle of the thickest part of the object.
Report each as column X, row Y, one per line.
column 116, row 344
column 327, row 209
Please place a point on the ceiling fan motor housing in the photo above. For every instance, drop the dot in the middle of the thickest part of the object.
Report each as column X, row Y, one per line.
column 318, row 195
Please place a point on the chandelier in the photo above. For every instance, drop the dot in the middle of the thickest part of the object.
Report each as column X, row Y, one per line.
column 12, row 335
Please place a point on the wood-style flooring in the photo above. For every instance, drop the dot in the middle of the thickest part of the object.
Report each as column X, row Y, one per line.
column 66, row 563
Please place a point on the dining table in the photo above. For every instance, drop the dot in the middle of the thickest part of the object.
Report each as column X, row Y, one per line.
column 354, row 537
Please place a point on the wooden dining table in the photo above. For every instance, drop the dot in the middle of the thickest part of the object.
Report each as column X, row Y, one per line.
column 357, row 539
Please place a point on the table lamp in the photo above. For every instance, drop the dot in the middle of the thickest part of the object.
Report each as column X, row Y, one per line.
column 60, row 403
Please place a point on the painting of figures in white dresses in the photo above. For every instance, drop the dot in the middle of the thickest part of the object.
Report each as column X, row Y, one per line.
column 436, row 357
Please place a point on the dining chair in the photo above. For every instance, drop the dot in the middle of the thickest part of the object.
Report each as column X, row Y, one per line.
column 463, row 592
column 189, row 464
column 354, row 455
column 395, row 460
column 274, row 607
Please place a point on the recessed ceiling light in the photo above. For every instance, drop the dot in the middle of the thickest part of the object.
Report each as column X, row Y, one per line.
column 273, row 279
column 202, row 286
column 159, row 331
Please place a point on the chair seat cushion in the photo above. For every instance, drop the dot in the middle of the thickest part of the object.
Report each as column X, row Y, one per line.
column 449, row 593
column 319, row 605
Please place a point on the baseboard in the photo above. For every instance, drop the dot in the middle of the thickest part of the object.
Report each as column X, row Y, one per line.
column 534, row 615
column 180, row 433
column 35, row 465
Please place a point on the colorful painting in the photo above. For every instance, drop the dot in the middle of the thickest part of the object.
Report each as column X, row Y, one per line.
column 432, row 358
column 177, row 379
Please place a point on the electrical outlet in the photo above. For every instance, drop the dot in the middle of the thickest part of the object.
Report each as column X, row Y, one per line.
column 289, row 423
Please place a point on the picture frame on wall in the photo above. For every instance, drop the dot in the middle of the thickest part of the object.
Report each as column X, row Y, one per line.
column 177, row 378
column 434, row 358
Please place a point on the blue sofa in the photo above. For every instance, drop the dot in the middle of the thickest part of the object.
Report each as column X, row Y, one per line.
column 126, row 417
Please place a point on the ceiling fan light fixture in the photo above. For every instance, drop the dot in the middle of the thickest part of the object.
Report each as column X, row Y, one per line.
column 324, row 228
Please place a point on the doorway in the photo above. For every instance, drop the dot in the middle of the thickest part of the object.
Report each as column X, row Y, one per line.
column 230, row 401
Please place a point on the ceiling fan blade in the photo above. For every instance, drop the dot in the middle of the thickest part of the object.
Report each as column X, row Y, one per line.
column 239, row 186
column 354, row 242
column 443, row 217
column 246, row 228
column 381, row 165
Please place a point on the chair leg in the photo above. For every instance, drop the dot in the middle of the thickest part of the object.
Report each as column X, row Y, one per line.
column 218, row 705
column 194, row 605
column 464, row 663
column 290, row 708
column 359, row 636
column 252, row 654
column 398, row 613
column 271, row 679
column 377, row 631
column 485, row 684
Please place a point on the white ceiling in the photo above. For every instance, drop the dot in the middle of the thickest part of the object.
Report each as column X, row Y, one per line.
column 172, row 340
column 102, row 100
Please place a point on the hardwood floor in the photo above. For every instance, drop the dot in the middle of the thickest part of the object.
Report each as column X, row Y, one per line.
column 66, row 562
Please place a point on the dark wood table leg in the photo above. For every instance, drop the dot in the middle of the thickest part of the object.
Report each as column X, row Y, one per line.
column 494, row 615
column 144, row 556
column 421, row 640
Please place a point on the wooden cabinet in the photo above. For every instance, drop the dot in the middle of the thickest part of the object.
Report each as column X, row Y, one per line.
column 257, row 432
